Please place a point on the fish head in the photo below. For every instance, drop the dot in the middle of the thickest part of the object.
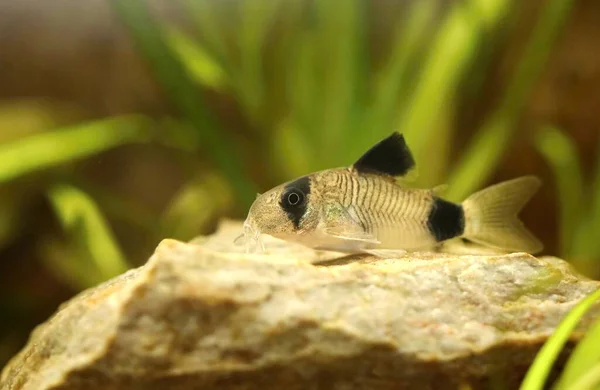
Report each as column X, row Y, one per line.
column 287, row 211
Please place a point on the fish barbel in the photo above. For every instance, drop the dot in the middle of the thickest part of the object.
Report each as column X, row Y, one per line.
column 362, row 208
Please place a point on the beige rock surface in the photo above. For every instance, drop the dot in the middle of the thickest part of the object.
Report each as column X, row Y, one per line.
column 201, row 316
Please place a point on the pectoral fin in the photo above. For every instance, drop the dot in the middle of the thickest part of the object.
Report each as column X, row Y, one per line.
column 339, row 223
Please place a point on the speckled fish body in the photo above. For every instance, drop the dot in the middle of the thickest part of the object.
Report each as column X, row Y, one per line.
column 362, row 207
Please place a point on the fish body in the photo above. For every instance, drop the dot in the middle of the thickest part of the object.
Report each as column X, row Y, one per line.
column 362, row 208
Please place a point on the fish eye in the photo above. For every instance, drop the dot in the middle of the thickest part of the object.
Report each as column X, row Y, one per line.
column 294, row 197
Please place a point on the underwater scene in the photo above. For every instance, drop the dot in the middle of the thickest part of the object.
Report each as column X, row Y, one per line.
column 451, row 146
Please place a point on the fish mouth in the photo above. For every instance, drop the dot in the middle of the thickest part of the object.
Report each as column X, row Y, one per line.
column 250, row 238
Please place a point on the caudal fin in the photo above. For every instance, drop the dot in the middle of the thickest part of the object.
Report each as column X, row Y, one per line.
column 491, row 216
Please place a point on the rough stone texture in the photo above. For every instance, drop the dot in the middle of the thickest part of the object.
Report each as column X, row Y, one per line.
column 201, row 316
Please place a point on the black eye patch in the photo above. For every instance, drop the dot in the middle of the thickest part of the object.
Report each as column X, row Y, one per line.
column 294, row 199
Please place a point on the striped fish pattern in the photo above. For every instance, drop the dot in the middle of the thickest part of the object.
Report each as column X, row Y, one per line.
column 363, row 207
column 397, row 217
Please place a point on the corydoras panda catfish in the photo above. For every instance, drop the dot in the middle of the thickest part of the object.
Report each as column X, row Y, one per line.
column 363, row 208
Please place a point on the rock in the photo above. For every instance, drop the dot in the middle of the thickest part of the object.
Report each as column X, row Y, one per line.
column 201, row 316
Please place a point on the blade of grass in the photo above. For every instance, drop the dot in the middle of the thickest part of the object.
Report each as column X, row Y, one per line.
column 280, row 49
column 454, row 46
column 302, row 91
column 341, row 44
column 301, row 80
column 13, row 206
column 582, row 361
column 44, row 150
column 290, row 152
column 491, row 141
column 588, row 381
column 120, row 207
column 197, row 61
column 539, row 370
column 360, row 77
column 21, row 118
column 585, row 249
column 389, row 87
column 207, row 20
column 149, row 38
column 256, row 20
column 67, row 264
column 439, row 151
column 246, row 77
column 561, row 154
column 87, row 229
column 592, row 244
column 195, row 205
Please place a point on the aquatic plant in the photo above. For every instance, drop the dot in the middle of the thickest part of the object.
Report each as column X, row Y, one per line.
column 322, row 99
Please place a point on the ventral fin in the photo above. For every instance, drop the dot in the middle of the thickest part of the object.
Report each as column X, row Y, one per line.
column 391, row 156
column 386, row 253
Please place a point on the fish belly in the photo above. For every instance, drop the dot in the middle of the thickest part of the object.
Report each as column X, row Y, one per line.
column 404, row 237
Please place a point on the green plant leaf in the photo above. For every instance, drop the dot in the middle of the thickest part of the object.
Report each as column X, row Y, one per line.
column 120, row 207
column 539, row 370
column 257, row 18
column 584, row 358
column 584, row 248
column 561, row 154
column 13, row 202
column 44, row 150
column 451, row 51
column 199, row 202
column 302, row 86
column 208, row 22
column 489, row 144
column 590, row 380
column 21, row 118
column 148, row 36
column 200, row 65
column 87, row 230
column 390, row 83
column 64, row 260
column 344, row 55
column 291, row 153
column 592, row 244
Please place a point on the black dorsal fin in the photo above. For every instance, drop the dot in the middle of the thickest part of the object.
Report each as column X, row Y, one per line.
column 390, row 156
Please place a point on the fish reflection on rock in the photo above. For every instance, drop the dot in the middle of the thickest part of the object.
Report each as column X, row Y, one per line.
column 362, row 208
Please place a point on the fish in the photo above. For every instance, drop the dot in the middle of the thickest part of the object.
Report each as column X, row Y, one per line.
column 364, row 208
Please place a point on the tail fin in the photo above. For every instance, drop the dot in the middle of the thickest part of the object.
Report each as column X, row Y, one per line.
column 491, row 215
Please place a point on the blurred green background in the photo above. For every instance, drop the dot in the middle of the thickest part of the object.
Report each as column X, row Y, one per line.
column 125, row 122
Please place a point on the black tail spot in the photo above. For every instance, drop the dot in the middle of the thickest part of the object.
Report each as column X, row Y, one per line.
column 446, row 219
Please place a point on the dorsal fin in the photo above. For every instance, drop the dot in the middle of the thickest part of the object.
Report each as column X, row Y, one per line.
column 390, row 156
